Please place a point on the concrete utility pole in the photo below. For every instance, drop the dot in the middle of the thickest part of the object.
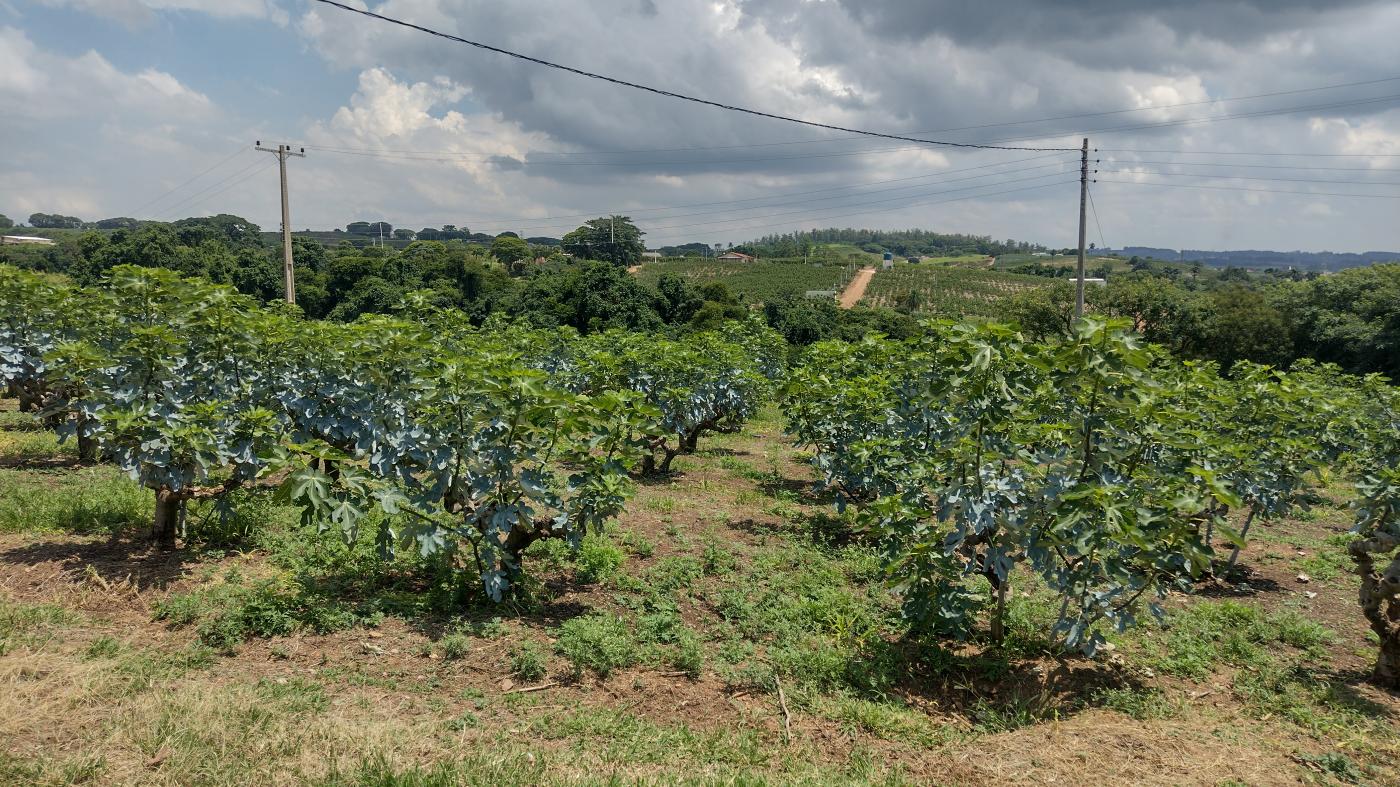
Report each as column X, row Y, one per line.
column 1083, row 192
column 289, row 282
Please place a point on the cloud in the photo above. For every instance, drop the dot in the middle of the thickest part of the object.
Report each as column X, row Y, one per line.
column 89, row 138
column 435, row 132
column 38, row 85
column 141, row 12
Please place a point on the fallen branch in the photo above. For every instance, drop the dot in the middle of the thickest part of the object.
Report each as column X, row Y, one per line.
column 787, row 715
column 529, row 689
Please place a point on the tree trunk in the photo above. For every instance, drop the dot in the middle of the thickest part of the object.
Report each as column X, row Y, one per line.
column 1387, row 672
column 167, row 519
column 1244, row 533
column 688, row 444
column 1380, row 602
column 999, row 615
column 87, row 449
column 87, row 446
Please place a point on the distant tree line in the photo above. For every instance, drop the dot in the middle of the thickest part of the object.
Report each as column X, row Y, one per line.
column 902, row 243
column 1351, row 318
column 580, row 280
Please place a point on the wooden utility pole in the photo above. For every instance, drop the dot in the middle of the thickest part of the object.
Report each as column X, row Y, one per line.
column 289, row 282
column 1083, row 192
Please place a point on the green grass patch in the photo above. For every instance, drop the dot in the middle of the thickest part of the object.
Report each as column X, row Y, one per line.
column 85, row 500
column 1201, row 638
column 30, row 625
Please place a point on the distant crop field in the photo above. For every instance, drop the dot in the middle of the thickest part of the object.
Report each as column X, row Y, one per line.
column 758, row 281
column 945, row 289
column 959, row 261
column 1012, row 260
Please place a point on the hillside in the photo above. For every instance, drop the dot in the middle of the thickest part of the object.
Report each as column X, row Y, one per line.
column 757, row 281
column 947, row 289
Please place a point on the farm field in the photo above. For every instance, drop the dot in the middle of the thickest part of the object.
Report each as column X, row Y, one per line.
column 650, row 655
column 946, row 289
column 757, row 281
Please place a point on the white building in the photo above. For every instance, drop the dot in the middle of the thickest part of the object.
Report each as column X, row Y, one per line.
column 31, row 239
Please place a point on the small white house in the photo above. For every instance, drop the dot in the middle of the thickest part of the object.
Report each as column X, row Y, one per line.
column 651, row 255
column 738, row 256
column 26, row 239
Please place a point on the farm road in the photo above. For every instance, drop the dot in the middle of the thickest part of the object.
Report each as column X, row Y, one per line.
column 856, row 289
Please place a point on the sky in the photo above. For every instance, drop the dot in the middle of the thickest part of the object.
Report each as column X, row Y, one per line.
column 1214, row 125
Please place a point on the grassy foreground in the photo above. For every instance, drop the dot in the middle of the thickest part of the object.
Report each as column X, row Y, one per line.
column 727, row 629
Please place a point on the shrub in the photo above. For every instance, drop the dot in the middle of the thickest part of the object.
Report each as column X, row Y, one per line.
column 455, row 646
column 527, row 661
column 598, row 559
column 597, row 642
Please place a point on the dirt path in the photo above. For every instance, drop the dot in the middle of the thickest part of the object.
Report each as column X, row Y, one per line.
column 633, row 269
column 856, row 289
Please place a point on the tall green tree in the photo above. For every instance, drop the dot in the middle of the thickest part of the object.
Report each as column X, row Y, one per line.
column 612, row 239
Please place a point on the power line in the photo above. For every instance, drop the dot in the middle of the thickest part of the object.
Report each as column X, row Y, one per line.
column 447, row 159
column 1094, row 210
column 939, row 174
column 241, row 149
column 201, row 197
column 1241, row 188
column 1255, row 166
column 1249, row 177
column 910, row 200
column 823, row 199
column 1194, row 121
column 1154, row 107
column 917, row 201
column 881, row 210
column 1249, row 153
column 667, row 93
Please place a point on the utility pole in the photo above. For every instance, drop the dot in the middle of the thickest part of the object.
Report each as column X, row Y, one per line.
column 289, row 282
column 1083, row 192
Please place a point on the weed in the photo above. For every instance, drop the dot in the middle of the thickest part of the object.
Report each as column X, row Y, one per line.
column 673, row 573
column 717, row 559
column 662, row 505
column 638, row 544
column 1140, row 703
column 598, row 642
column 1337, row 765
column 597, row 559
column 455, row 646
column 229, row 613
column 527, row 661
column 103, row 647
column 994, row 718
column 689, row 656
column 294, row 695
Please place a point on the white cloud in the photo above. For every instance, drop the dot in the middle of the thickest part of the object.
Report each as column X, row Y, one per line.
column 40, row 85
column 139, row 12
